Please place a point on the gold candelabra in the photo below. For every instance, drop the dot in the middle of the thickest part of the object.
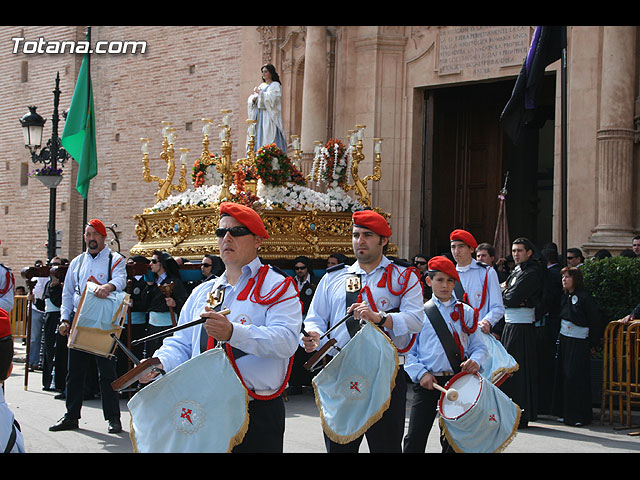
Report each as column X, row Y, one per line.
column 165, row 185
column 359, row 185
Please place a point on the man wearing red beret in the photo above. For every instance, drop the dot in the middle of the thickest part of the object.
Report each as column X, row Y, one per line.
column 261, row 333
column 384, row 286
column 479, row 286
column 107, row 269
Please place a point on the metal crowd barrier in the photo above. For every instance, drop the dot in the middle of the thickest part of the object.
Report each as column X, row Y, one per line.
column 18, row 316
column 621, row 373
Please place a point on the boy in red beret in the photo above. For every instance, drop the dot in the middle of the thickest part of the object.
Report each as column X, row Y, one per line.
column 433, row 359
column 478, row 286
column 11, row 440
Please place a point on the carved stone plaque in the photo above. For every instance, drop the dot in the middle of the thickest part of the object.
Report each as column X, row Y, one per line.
column 479, row 50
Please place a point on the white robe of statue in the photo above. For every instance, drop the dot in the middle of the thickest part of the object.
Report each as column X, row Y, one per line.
column 265, row 107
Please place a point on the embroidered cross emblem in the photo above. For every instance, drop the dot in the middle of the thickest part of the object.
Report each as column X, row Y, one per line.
column 383, row 302
column 243, row 320
column 492, row 418
column 186, row 413
column 354, row 386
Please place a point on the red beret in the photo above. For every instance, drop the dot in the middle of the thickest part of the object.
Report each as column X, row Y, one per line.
column 373, row 221
column 463, row 236
column 5, row 325
column 99, row 226
column 246, row 216
column 444, row 265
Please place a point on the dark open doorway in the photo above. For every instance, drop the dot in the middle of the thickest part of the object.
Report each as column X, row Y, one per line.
column 466, row 160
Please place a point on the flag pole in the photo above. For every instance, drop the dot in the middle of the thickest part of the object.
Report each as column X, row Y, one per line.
column 563, row 150
column 89, row 93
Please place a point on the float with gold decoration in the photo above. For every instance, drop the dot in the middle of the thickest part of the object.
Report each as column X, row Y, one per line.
column 304, row 214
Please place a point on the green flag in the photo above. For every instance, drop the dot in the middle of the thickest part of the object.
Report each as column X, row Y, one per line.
column 79, row 135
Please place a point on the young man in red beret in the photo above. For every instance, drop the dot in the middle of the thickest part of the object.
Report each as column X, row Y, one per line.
column 11, row 440
column 106, row 268
column 428, row 361
column 261, row 332
column 384, row 286
column 479, row 286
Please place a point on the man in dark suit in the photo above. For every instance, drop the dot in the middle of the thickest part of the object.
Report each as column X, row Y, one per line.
column 306, row 283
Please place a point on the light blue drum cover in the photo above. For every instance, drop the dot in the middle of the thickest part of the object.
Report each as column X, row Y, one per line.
column 99, row 312
column 354, row 389
column 199, row 407
column 482, row 420
column 500, row 364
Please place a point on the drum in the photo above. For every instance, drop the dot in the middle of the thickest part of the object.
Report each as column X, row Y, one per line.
column 96, row 319
column 500, row 365
column 482, row 419
column 354, row 389
column 199, row 407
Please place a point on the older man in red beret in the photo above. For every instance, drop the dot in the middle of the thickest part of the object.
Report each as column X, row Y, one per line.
column 261, row 333
column 107, row 269
column 389, row 294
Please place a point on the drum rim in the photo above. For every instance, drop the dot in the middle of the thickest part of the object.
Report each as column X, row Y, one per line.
column 475, row 401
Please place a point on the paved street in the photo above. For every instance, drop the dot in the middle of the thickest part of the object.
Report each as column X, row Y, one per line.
column 36, row 410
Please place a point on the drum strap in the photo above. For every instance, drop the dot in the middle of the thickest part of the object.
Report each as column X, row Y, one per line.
column 446, row 339
column 204, row 336
column 353, row 286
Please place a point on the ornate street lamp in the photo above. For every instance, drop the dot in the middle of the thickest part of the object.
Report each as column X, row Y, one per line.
column 52, row 156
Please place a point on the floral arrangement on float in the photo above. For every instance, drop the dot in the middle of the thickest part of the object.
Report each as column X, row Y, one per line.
column 273, row 181
column 332, row 163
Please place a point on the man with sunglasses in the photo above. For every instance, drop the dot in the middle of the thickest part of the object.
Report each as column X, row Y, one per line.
column 389, row 295
column 421, row 261
column 260, row 334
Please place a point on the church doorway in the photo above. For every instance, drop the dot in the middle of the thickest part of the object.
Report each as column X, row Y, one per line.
column 467, row 158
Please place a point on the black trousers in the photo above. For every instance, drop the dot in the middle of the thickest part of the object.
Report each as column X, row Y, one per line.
column 49, row 334
column 423, row 413
column 266, row 427
column 384, row 436
column 79, row 363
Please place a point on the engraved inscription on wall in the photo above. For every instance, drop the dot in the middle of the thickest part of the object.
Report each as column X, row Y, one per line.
column 479, row 50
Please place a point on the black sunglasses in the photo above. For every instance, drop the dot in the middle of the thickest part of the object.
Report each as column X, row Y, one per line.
column 208, row 265
column 300, row 268
column 153, row 260
column 418, row 262
column 237, row 231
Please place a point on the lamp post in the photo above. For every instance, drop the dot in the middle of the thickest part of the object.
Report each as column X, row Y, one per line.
column 52, row 156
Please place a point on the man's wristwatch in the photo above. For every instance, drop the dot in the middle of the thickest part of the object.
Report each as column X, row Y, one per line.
column 383, row 318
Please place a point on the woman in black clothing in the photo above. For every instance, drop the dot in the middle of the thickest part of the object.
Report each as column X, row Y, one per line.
column 55, row 345
column 579, row 332
column 163, row 270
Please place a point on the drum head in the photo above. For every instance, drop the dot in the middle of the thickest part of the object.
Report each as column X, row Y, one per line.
column 469, row 387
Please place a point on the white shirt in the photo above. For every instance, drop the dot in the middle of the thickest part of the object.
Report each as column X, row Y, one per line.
column 86, row 268
column 6, row 283
column 6, row 426
column 268, row 334
column 329, row 306
column 472, row 278
column 427, row 353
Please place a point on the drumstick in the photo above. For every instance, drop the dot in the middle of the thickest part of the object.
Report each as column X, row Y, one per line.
column 169, row 331
column 452, row 394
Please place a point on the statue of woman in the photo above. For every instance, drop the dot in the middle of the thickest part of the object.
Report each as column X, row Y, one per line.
column 265, row 107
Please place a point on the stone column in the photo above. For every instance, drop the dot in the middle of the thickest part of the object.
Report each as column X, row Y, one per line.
column 314, row 93
column 615, row 139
